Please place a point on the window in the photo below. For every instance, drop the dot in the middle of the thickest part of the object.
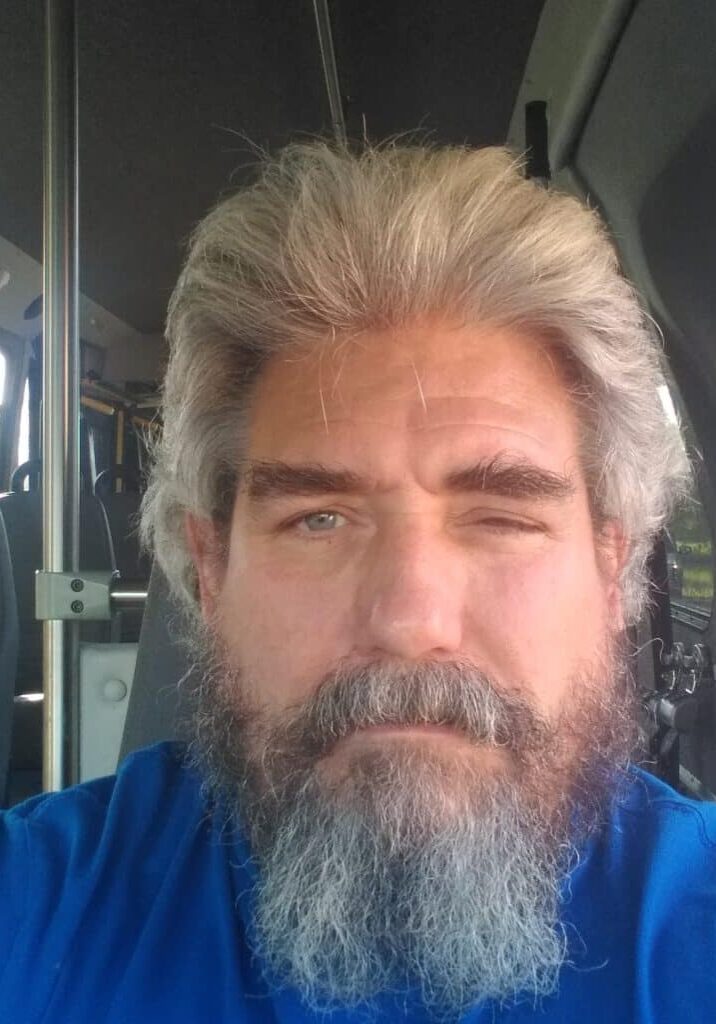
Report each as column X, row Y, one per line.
column 23, row 440
column 688, row 542
column 689, row 555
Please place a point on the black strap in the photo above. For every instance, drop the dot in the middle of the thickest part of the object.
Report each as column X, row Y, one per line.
column 664, row 744
column 537, row 141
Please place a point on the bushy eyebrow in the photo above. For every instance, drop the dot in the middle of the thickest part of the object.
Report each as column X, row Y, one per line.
column 501, row 475
column 510, row 477
column 266, row 480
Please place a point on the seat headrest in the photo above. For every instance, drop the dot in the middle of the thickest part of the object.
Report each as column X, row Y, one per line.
column 162, row 664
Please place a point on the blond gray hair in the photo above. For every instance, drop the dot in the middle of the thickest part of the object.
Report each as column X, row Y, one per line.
column 328, row 243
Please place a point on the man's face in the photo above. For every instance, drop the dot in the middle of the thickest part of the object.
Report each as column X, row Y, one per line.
column 414, row 687
column 414, row 496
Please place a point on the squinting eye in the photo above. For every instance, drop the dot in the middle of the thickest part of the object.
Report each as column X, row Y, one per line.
column 322, row 522
column 516, row 524
column 511, row 526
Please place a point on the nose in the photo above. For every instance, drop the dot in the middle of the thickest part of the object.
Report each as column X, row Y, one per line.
column 411, row 597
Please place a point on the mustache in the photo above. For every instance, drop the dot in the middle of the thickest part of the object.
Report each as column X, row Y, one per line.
column 453, row 694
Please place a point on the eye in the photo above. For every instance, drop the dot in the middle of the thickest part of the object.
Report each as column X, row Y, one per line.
column 499, row 524
column 320, row 522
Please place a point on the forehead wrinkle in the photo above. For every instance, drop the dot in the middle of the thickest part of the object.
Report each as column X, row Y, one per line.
column 423, row 428
column 327, row 402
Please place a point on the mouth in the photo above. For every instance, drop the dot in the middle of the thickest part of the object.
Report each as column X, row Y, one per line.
column 440, row 742
column 407, row 731
column 423, row 728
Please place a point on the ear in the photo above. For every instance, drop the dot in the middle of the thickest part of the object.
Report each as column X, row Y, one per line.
column 612, row 553
column 206, row 552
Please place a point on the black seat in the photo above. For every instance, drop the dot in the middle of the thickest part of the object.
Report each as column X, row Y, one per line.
column 122, row 511
column 21, row 520
column 21, row 515
column 8, row 659
column 123, row 518
column 162, row 663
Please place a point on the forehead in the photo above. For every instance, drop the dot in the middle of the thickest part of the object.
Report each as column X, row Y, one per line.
column 420, row 383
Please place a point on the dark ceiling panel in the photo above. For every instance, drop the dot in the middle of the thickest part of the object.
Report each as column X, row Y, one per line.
column 647, row 158
column 168, row 92
column 171, row 84
column 449, row 69
column 21, row 74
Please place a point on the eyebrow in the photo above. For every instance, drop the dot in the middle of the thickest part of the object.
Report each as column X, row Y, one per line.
column 501, row 475
column 509, row 477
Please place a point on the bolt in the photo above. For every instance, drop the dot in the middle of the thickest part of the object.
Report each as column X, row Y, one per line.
column 77, row 607
column 77, row 585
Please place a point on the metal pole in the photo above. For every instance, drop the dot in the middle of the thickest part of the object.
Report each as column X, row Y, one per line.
column 60, row 476
column 330, row 69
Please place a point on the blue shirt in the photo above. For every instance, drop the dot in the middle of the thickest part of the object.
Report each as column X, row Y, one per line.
column 123, row 902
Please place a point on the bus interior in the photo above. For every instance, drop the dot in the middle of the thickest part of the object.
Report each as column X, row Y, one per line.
column 612, row 100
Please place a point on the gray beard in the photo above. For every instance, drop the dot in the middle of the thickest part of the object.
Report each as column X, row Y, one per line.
column 413, row 868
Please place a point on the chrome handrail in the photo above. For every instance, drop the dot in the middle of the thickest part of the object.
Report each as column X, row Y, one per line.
column 60, row 418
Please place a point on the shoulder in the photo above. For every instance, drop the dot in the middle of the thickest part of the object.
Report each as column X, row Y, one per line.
column 640, row 911
column 654, row 867
column 658, row 817
column 653, row 864
column 151, row 780
column 672, row 840
column 161, row 764
column 655, row 840
column 151, row 787
column 54, row 845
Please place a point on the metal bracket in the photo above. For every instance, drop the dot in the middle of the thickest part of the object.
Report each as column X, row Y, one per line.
column 693, row 665
column 68, row 595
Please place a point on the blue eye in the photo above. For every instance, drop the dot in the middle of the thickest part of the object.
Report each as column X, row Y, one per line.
column 322, row 522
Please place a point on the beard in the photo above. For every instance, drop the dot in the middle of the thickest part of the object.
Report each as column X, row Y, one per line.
column 396, row 865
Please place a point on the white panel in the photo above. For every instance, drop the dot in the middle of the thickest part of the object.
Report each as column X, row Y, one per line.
column 106, row 673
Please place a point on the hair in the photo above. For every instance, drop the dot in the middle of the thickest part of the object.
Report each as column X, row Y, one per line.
column 327, row 243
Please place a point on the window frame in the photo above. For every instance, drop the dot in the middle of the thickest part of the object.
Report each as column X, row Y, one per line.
column 16, row 351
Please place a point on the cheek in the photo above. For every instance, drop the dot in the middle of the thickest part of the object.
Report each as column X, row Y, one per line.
column 538, row 622
column 285, row 630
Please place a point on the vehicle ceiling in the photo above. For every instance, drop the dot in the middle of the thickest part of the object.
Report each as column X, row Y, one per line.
column 631, row 93
column 169, row 94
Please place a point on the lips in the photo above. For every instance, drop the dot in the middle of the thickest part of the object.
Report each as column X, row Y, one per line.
column 423, row 729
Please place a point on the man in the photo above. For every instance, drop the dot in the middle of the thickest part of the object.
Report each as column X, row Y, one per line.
column 412, row 467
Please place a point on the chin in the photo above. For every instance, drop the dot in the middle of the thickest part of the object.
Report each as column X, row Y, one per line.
column 428, row 778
